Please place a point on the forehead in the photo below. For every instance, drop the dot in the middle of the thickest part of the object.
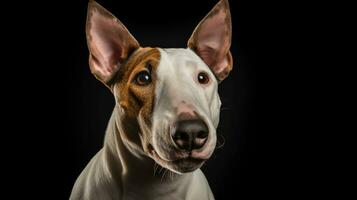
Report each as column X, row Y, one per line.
column 180, row 60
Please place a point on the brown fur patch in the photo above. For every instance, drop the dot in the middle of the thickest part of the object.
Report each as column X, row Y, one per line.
column 133, row 98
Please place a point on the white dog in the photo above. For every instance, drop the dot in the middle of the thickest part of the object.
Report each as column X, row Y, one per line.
column 166, row 112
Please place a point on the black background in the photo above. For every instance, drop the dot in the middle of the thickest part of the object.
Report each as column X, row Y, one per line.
column 59, row 111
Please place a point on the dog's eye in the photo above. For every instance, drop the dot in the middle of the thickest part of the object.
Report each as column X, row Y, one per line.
column 203, row 78
column 143, row 78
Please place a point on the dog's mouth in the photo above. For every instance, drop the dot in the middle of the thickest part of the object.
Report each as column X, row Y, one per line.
column 183, row 164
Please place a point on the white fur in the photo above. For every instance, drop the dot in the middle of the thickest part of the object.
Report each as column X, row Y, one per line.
column 121, row 172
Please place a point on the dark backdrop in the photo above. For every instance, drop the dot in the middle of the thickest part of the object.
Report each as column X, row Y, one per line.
column 231, row 170
column 59, row 111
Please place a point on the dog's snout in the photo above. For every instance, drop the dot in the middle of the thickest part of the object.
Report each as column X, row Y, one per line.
column 190, row 134
column 185, row 111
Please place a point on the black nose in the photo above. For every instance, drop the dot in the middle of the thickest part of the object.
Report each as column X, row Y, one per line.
column 190, row 134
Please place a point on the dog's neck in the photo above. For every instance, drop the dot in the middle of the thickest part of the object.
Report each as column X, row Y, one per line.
column 131, row 167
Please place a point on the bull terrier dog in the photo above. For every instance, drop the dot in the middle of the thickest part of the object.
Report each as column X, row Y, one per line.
column 166, row 110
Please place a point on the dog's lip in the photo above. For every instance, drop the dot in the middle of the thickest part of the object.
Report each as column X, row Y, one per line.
column 189, row 157
column 153, row 153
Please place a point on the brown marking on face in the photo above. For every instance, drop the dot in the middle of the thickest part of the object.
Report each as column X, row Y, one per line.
column 137, row 99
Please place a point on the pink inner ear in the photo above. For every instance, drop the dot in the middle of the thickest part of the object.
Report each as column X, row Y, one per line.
column 213, row 30
column 212, row 40
column 105, row 44
column 109, row 42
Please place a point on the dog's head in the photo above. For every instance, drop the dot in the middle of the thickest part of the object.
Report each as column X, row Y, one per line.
column 168, row 97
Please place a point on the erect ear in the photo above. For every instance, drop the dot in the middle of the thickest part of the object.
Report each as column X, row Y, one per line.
column 109, row 42
column 211, row 40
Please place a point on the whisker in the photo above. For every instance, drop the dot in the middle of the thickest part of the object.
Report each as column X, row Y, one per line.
column 219, row 129
column 156, row 166
column 161, row 168
column 163, row 175
column 223, row 141
column 225, row 108
column 172, row 176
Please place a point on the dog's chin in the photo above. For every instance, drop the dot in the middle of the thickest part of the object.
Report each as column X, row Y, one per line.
column 186, row 165
column 179, row 166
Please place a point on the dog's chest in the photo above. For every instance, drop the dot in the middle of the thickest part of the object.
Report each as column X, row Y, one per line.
column 192, row 187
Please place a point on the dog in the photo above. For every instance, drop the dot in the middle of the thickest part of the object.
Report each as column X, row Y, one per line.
column 166, row 112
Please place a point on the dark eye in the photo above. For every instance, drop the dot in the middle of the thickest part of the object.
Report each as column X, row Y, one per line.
column 203, row 78
column 143, row 78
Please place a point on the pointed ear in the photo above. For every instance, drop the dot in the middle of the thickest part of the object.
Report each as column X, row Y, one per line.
column 211, row 40
column 109, row 42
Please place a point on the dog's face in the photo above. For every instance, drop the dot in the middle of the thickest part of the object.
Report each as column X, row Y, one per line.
column 167, row 98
